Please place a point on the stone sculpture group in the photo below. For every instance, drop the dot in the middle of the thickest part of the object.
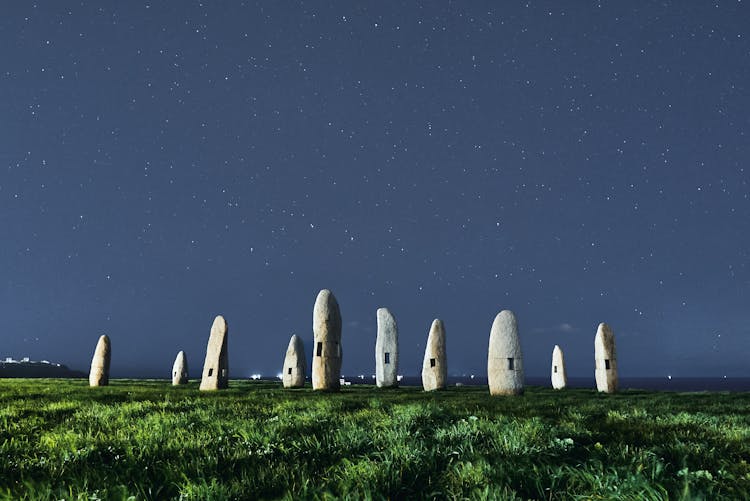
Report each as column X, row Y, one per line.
column 504, row 358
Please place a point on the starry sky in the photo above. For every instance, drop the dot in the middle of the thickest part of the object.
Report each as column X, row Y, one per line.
column 575, row 162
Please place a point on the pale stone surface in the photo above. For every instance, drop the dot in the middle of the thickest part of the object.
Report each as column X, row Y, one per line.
column 504, row 359
column 559, row 377
column 180, row 369
column 435, row 364
column 99, row 374
column 295, row 365
column 215, row 374
column 327, row 352
column 386, row 350
column 605, row 358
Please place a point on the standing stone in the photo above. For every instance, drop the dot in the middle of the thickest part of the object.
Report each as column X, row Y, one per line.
column 216, row 366
column 327, row 353
column 180, row 369
column 605, row 358
column 435, row 364
column 386, row 350
column 559, row 377
column 99, row 374
column 295, row 365
column 504, row 359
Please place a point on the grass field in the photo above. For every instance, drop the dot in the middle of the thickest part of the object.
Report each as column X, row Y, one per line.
column 60, row 439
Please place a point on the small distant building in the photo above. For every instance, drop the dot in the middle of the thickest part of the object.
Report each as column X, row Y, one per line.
column 504, row 360
column 294, row 369
column 327, row 351
column 215, row 374
column 558, row 374
column 180, row 369
column 435, row 363
column 605, row 359
column 386, row 350
column 99, row 373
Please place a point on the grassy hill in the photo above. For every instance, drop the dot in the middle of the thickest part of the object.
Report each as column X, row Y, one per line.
column 60, row 439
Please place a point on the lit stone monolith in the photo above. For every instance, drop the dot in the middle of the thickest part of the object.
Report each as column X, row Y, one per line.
column 386, row 350
column 558, row 375
column 99, row 374
column 180, row 369
column 327, row 353
column 216, row 366
column 435, row 363
column 605, row 358
column 504, row 360
column 295, row 365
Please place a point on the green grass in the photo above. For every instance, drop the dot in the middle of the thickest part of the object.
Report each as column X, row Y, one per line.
column 60, row 439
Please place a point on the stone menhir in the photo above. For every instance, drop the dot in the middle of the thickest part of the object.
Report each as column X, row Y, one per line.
column 180, row 369
column 605, row 358
column 99, row 374
column 327, row 353
column 216, row 366
column 295, row 365
column 386, row 350
column 558, row 375
column 435, row 364
column 504, row 359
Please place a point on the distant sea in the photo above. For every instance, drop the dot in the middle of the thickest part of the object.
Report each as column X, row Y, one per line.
column 636, row 383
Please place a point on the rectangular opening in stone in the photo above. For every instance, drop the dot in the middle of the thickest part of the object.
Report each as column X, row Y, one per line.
column 606, row 363
column 319, row 350
column 223, row 373
column 387, row 357
column 432, row 362
column 510, row 364
column 210, row 372
column 289, row 371
column 555, row 370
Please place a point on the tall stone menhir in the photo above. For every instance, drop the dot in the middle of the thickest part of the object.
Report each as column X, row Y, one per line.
column 504, row 360
column 216, row 366
column 295, row 366
column 386, row 350
column 558, row 375
column 605, row 358
column 435, row 363
column 327, row 353
column 99, row 374
column 180, row 369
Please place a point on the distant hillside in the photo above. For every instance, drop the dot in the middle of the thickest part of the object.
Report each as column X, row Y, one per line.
column 37, row 369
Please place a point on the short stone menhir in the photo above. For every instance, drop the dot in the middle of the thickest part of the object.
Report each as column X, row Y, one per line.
column 504, row 359
column 180, row 369
column 605, row 358
column 557, row 373
column 99, row 373
column 216, row 366
column 435, row 363
column 295, row 366
column 327, row 352
column 386, row 350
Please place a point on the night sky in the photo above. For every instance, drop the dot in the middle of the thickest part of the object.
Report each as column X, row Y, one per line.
column 575, row 162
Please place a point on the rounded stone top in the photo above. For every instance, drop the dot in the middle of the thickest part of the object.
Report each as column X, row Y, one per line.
column 104, row 344
column 504, row 341
column 556, row 349
column 436, row 338
column 604, row 342
column 295, row 344
column 326, row 317
column 219, row 323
